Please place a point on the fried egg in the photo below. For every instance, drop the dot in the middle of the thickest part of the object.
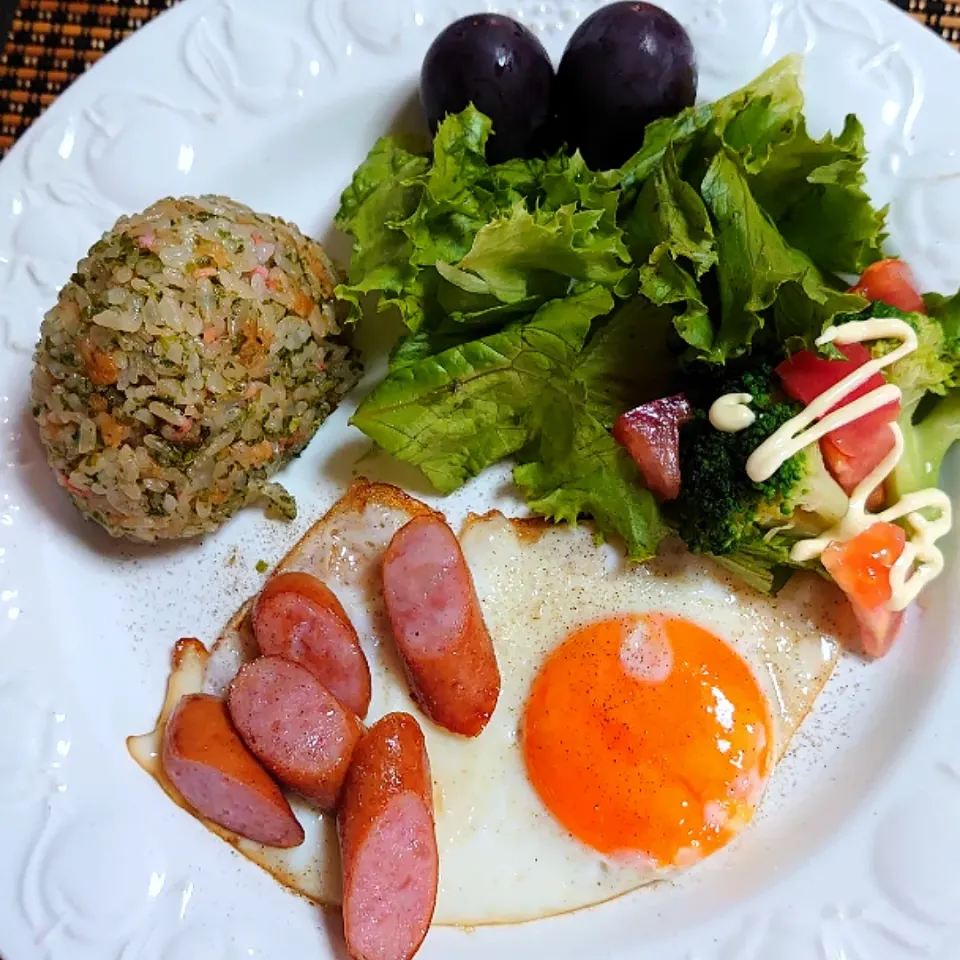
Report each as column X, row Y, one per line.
column 643, row 709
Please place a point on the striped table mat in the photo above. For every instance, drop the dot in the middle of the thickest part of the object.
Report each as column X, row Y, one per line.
column 51, row 42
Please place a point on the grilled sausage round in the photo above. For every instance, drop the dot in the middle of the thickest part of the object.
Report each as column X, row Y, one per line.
column 207, row 762
column 295, row 727
column 438, row 626
column 299, row 617
column 388, row 844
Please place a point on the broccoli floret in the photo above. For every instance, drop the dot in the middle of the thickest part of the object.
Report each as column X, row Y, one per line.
column 934, row 367
column 930, row 381
column 719, row 504
column 750, row 526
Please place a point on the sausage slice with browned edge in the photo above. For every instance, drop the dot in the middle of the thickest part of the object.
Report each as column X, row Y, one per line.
column 436, row 619
column 388, row 844
column 295, row 727
column 207, row 762
column 299, row 617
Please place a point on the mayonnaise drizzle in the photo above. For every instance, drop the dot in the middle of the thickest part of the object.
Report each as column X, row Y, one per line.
column 814, row 423
column 732, row 413
column 921, row 560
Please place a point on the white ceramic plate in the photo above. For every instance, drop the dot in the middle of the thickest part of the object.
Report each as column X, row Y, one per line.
column 857, row 853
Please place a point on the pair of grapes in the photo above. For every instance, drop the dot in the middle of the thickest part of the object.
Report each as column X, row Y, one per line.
column 626, row 65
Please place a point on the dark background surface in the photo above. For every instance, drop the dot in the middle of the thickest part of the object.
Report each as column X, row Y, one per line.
column 49, row 43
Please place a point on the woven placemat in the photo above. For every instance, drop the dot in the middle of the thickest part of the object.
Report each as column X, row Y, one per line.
column 51, row 42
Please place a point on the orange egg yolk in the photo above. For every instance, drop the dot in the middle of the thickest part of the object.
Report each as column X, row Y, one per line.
column 648, row 738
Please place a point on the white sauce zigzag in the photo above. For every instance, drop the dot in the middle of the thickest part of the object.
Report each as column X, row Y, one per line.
column 921, row 561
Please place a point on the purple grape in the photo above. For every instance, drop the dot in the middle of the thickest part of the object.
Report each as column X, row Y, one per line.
column 501, row 68
column 627, row 64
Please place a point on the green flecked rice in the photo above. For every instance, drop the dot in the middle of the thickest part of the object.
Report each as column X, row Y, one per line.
column 194, row 352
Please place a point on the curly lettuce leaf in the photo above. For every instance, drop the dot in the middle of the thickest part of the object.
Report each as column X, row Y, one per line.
column 429, row 341
column 407, row 212
column 751, row 122
column 515, row 256
column 718, row 258
column 739, row 220
column 462, row 192
column 583, row 472
column 578, row 470
column 631, row 358
column 670, row 235
column 757, row 119
column 670, row 219
column 814, row 192
column 754, row 263
column 384, row 193
column 457, row 412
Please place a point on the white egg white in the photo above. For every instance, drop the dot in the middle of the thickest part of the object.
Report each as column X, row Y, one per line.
column 503, row 858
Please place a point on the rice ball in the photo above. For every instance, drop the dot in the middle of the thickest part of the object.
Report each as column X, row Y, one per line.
column 193, row 354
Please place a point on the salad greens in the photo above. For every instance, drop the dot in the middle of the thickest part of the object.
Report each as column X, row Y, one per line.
column 930, row 381
column 456, row 412
column 543, row 299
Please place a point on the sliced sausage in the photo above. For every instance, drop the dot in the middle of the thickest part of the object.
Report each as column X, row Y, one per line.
column 388, row 844
column 299, row 617
column 436, row 619
column 295, row 727
column 220, row 778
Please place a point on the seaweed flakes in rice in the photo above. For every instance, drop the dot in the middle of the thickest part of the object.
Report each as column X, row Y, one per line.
column 194, row 353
